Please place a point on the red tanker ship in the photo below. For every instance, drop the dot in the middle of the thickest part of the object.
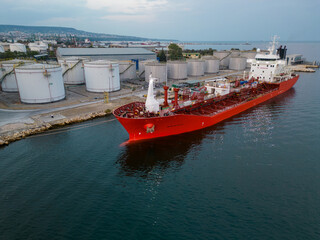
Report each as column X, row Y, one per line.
column 213, row 103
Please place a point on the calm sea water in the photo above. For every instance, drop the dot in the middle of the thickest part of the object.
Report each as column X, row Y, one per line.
column 254, row 176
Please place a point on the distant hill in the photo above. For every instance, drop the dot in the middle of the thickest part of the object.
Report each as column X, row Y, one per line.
column 72, row 31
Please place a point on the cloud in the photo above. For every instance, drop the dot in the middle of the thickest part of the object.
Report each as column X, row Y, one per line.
column 127, row 6
column 130, row 18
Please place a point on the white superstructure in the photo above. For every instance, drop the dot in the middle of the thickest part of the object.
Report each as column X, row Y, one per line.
column 218, row 87
column 102, row 76
column 266, row 66
column 40, row 83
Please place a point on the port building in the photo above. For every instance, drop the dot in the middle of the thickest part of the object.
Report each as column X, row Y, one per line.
column 122, row 54
column 294, row 59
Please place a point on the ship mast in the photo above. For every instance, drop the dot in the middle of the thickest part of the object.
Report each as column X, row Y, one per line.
column 272, row 48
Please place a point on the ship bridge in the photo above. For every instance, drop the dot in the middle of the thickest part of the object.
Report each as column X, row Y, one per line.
column 269, row 57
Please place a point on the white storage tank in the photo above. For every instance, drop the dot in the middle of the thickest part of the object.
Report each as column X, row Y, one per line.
column 238, row 63
column 102, row 76
column 211, row 64
column 235, row 53
column 73, row 70
column 127, row 70
column 40, row 83
column 158, row 71
column 224, row 57
column 7, row 76
column 195, row 67
column 177, row 70
column 18, row 47
column 249, row 55
column 142, row 64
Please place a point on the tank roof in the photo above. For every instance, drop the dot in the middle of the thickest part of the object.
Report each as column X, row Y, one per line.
column 155, row 64
column 16, row 61
column 177, row 62
column 101, row 62
column 38, row 66
column 125, row 62
column 238, row 57
column 149, row 60
column 195, row 60
column 268, row 56
column 209, row 57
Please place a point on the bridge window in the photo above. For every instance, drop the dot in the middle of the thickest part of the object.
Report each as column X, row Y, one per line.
column 265, row 59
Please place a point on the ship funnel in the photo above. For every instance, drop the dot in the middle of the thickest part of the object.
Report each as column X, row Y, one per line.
column 152, row 104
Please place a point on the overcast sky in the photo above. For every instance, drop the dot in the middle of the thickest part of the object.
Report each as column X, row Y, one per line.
column 185, row 20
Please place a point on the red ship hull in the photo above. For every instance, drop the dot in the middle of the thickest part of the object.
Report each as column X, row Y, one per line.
column 182, row 123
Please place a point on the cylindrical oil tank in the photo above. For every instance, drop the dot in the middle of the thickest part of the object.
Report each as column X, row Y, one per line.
column 224, row 57
column 158, row 71
column 73, row 70
column 9, row 82
column 40, row 83
column 195, row 67
column 238, row 63
column 249, row 55
column 235, row 53
column 177, row 70
column 18, row 47
column 211, row 64
column 142, row 64
column 102, row 76
column 127, row 70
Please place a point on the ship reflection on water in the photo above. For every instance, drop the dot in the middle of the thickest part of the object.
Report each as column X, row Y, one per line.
column 144, row 157
column 155, row 156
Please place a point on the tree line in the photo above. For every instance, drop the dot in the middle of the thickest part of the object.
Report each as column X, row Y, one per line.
column 176, row 53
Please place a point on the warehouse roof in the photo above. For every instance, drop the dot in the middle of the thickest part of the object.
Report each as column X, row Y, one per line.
column 102, row 51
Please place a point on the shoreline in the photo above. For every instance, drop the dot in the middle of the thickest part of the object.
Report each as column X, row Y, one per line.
column 58, row 118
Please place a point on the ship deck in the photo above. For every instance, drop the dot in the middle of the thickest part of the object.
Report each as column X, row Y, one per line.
column 216, row 105
column 200, row 106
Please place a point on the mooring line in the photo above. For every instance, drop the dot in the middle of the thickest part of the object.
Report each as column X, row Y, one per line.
column 57, row 131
